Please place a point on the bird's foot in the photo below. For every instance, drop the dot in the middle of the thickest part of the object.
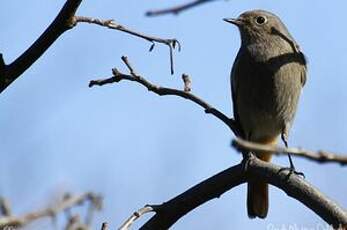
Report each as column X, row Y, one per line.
column 292, row 170
column 247, row 157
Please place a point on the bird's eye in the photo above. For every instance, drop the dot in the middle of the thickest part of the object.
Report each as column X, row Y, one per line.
column 260, row 20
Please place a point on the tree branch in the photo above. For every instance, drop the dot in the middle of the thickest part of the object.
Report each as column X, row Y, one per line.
column 294, row 186
column 65, row 204
column 163, row 91
column 136, row 215
column 5, row 209
column 320, row 156
column 104, row 226
column 63, row 22
column 251, row 169
column 177, row 9
column 111, row 24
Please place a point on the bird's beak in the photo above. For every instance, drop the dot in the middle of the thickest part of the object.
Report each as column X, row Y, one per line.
column 235, row 21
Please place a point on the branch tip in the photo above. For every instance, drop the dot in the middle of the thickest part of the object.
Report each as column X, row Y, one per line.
column 187, row 83
column 136, row 215
column 320, row 156
column 104, row 226
column 176, row 9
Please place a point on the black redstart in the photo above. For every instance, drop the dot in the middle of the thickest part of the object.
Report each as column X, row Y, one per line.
column 266, row 81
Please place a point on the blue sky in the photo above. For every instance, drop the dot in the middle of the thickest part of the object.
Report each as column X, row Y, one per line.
column 136, row 148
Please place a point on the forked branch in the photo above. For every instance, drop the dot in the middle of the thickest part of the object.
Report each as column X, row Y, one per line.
column 111, row 24
column 163, row 91
column 65, row 204
column 293, row 185
column 64, row 21
column 169, row 212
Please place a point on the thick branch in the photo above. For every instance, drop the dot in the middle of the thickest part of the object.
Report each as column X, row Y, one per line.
column 320, row 156
column 162, row 91
column 177, row 9
column 68, row 202
column 296, row 187
column 63, row 22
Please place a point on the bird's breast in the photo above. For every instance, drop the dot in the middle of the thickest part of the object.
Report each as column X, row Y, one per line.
column 267, row 89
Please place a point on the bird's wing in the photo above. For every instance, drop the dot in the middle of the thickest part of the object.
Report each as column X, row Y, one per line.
column 234, row 76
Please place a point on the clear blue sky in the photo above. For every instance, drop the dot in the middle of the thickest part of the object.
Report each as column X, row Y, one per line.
column 134, row 147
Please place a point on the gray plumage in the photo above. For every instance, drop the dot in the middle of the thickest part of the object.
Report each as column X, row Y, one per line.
column 266, row 80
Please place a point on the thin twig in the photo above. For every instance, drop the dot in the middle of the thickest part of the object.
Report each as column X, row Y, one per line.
column 5, row 208
column 104, row 226
column 177, row 9
column 320, row 156
column 161, row 91
column 64, row 204
column 187, row 83
column 111, row 24
column 74, row 223
column 64, row 21
column 294, row 186
column 136, row 215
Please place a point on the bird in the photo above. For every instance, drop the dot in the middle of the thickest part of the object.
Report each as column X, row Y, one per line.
column 267, row 78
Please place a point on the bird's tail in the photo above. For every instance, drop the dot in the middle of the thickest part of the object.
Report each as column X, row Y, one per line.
column 257, row 199
column 258, row 192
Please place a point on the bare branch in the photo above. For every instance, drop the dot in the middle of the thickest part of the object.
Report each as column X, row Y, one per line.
column 320, row 156
column 126, row 225
column 104, row 226
column 254, row 169
column 74, row 223
column 64, row 21
column 187, row 83
column 177, row 9
column 111, row 24
column 64, row 204
column 251, row 169
column 9, row 73
column 162, row 91
column 5, row 208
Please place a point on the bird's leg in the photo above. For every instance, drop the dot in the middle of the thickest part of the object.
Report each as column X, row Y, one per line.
column 291, row 168
column 247, row 157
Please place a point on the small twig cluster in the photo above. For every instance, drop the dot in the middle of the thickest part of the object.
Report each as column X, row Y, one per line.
column 8, row 220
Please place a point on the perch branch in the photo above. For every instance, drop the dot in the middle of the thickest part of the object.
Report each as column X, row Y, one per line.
column 320, row 156
column 294, row 186
column 250, row 169
column 177, row 9
column 65, row 204
column 111, row 24
column 162, row 91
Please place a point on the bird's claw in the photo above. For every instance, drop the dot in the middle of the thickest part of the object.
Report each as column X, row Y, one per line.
column 292, row 171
